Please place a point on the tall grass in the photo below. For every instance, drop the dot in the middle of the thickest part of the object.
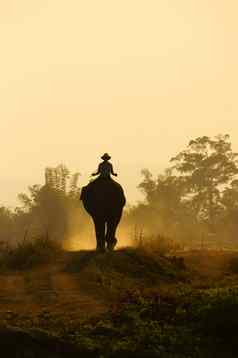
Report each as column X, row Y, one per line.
column 158, row 244
column 28, row 253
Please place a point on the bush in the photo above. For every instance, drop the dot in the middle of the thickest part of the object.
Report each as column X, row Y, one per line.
column 160, row 244
column 217, row 312
column 29, row 253
column 233, row 265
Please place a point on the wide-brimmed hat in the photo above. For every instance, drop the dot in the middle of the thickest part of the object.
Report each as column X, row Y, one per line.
column 106, row 156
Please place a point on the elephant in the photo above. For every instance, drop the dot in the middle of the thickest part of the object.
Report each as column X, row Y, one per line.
column 104, row 200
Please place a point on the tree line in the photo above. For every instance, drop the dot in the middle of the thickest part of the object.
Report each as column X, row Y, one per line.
column 45, row 210
column 195, row 197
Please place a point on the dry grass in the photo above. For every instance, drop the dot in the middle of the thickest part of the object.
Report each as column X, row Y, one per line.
column 29, row 253
column 159, row 244
column 72, row 294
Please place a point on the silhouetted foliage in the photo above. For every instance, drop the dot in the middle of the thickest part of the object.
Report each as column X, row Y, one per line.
column 48, row 207
column 6, row 224
column 197, row 196
column 194, row 200
column 44, row 210
column 208, row 166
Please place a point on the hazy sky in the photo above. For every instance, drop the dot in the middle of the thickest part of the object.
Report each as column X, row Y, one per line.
column 135, row 78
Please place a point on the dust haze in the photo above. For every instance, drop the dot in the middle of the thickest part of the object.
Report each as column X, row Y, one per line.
column 153, row 83
column 193, row 203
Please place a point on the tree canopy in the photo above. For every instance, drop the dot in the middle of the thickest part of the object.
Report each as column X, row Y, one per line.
column 198, row 192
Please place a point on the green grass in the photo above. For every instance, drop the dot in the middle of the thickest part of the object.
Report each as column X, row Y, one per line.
column 132, row 262
column 153, row 309
column 178, row 323
column 186, row 323
column 233, row 265
column 118, row 271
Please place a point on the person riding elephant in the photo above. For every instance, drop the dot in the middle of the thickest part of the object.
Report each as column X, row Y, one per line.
column 104, row 200
column 105, row 168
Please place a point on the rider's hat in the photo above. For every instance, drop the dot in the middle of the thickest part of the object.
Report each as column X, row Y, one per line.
column 106, row 156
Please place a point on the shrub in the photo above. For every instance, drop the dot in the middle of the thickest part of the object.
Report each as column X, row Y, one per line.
column 29, row 253
column 233, row 265
column 160, row 244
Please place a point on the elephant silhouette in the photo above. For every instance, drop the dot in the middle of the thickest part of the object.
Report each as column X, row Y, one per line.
column 104, row 200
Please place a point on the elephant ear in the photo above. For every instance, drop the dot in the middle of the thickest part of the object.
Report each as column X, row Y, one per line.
column 82, row 194
column 85, row 198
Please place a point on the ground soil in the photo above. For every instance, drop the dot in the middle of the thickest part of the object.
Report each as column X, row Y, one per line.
column 47, row 295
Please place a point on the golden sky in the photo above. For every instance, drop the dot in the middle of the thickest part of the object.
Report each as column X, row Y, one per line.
column 135, row 78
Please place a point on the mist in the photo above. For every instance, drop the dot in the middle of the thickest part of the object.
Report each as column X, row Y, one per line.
column 193, row 203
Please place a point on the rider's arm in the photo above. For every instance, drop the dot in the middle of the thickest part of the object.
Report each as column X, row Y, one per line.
column 112, row 172
column 98, row 172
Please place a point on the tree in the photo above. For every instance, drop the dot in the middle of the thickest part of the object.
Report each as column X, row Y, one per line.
column 164, row 210
column 6, row 224
column 207, row 166
column 229, row 218
column 164, row 195
column 195, row 197
column 48, row 207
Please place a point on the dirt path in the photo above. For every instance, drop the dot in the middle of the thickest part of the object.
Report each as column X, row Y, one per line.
column 44, row 297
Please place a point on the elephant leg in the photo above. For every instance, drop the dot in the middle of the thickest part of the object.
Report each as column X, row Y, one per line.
column 99, row 224
column 111, row 232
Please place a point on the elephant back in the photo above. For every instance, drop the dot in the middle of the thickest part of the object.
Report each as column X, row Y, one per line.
column 103, row 197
